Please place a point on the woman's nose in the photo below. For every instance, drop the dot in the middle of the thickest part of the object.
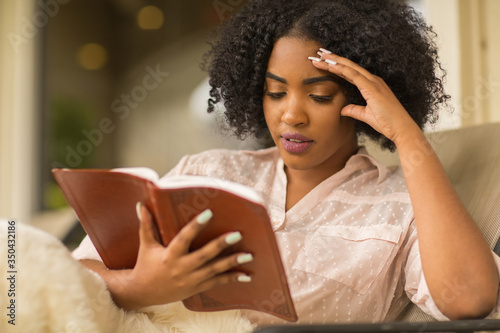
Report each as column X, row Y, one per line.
column 294, row 113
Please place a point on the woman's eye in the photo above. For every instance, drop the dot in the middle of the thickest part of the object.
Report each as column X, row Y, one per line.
column 276, row 95
column 321, row 99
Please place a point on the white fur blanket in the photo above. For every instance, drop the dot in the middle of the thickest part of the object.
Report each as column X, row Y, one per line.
column 54, row 293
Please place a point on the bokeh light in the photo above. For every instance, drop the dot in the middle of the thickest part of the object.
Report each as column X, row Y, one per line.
column 150, row 18
column 92, row 56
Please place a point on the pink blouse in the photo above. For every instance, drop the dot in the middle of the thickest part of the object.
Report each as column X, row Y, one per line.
column 349, row 247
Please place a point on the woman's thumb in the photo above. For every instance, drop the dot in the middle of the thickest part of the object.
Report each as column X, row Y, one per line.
column 147, row 234
column 354, row 111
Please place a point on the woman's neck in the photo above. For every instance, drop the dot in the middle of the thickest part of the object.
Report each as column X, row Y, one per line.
column 301, row 182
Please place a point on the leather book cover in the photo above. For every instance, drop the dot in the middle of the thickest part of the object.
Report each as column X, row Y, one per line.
column 104, row 202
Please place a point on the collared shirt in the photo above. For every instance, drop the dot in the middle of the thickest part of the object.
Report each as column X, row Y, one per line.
column 349, row 247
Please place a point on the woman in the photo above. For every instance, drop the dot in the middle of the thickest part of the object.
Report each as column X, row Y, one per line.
column 318, row 75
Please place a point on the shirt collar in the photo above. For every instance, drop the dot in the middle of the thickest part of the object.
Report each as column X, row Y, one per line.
column 359, row 161
column 363, row 160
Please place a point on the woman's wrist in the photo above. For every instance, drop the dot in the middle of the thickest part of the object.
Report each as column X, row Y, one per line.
column 408, row 135
column 124, row 289
column 120, row 284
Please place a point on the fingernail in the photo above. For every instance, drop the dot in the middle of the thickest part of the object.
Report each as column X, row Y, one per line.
column 330, row 61
column 244, row 258
column 244, row 278
column 320, row 54
column 233, row 238
column 325, row 51
column 138, row 206
column 314, row 59
column 204, row 216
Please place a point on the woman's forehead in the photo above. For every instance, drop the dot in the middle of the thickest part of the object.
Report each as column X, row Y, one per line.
column 289, row 58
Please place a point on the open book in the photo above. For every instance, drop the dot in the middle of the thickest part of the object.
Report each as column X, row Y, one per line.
column 105, row 200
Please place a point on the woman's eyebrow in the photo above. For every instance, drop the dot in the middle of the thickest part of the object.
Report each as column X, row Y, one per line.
column 305, row 81
column 320, row 79
column 275, row 77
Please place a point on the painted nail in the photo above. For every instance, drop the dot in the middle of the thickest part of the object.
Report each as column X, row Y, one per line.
column 320, row 54
column 244, row 278
column 138, row 206
column 314, row 59
column 233, row 238
column 325, row 51
column 244, row 258
column 330, row 61
column 204, row 216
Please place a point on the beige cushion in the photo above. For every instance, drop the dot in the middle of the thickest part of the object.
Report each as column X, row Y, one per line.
column 471, row 158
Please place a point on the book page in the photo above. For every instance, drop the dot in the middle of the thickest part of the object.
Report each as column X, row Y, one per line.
column 202, row 181
column 143, row 172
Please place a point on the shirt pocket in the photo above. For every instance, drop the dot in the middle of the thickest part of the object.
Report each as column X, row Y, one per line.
column 354, row 256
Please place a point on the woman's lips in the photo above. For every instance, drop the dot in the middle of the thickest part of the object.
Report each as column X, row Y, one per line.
column 295, row 143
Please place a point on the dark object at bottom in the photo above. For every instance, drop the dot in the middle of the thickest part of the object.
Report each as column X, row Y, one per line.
column 400, row 327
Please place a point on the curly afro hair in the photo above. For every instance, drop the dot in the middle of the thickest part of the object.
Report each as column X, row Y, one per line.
column 387, row 37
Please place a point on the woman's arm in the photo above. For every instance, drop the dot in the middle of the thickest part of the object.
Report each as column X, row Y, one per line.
column 168, row 274
column 455, row 256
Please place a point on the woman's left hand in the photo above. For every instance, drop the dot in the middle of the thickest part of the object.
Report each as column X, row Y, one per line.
column 383, row 111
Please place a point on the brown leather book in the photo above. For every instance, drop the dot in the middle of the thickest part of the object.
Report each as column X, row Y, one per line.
column 105, row 200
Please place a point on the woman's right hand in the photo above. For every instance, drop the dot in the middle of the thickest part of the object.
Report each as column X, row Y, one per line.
column 168, row 274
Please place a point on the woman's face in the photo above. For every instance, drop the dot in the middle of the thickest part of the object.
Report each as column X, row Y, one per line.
column 302, row 109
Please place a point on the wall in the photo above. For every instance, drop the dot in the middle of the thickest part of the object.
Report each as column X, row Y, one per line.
column 448, row 40
column 469, row 48
column 490, row 45
column 18, row 105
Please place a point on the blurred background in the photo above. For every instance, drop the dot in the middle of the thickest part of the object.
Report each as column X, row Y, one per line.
column 116, row 83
